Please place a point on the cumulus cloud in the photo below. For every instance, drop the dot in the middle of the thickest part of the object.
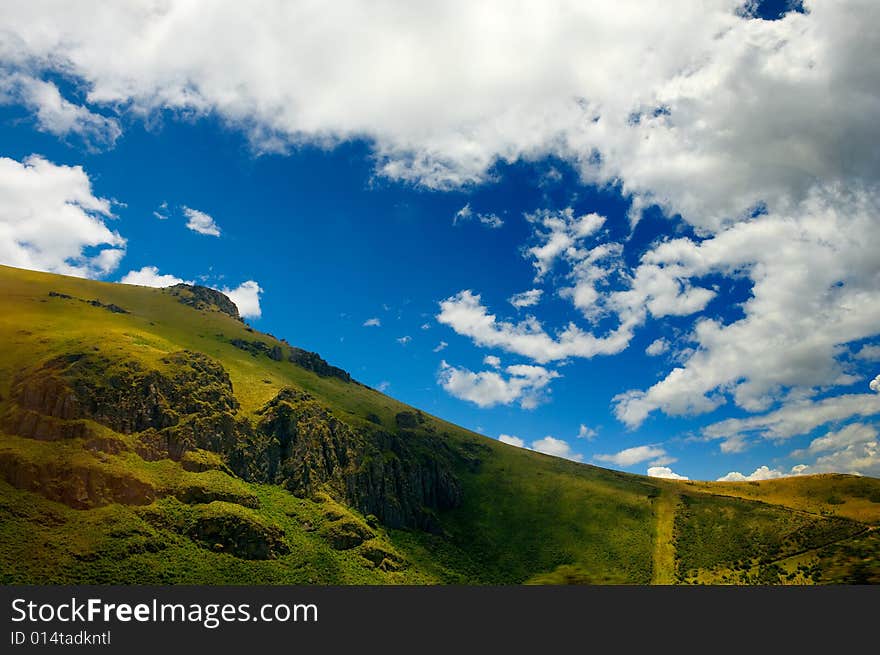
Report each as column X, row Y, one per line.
column 760, row 473
column 862, row 458
column 50, row 220
column 492, row 360
column 440, row 346
column 526, row 298
column 665, row 114
column 587, row 433
column 558, row 233
column 796, row 417
column 814, row 265
column 149, row 276
column 201, row 222
column 246, row 297
column 874, row 384
column 657, row 347
column 373, row 322
column 664, row 472
column 556, row 447
column 634, row 455
column 404, row 340
column 465, row 313
column 852, row 449
column 512, row 440
column 522, row 383
column 467, row 214
column 56, row 115
column 854, row 433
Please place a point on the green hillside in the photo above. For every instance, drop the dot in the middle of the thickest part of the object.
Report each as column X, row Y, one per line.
column 150, row 436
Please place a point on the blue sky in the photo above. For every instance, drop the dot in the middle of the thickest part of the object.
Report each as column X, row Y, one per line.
column 697, row 272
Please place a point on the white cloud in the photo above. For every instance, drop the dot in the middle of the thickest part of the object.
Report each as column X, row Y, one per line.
column 425, row 326
column 861, row 458
column 852, row 449
column 467, row 214
column 528, row 298
column 404, row 340
column 854, row 433
column 634, row 455
column 246, row 297
column 556, row 447
column 813, row 273
column 869, row 353
column 440, row 346
column 149, row 276
column 664, row 472
column 657, row 347
column 373, row 322
column 162, row 211
column 201, row 222
column 523, row 383
column 465, row 313
column 760, row 473
column 56, row 115
column 492, row 360
column 874, row 385
column 512, row 440
column 797, row 417
column 735, row 444
column 659, row 110
column 50, row 220
column 558, row 234
column 383, row 386
column 587, row 433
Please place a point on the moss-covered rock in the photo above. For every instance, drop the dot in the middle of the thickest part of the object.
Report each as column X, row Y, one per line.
column 198, row 461
column 224, row 529
column 346, row 533
column 204, row 299
column 83, row 484
column 381, row 556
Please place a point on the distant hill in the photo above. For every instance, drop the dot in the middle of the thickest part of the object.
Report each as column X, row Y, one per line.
column 150, row 436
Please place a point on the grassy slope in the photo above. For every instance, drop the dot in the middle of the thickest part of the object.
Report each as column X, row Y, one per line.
column 525, row 516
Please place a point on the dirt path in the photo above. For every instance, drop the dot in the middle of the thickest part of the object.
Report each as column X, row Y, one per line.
column 664, row 550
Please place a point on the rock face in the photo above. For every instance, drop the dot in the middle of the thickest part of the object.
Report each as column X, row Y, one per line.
column 77, row 486
column 204, row 298
column 186, row 404
column 401, row 479
column 313, row 362
column 110, row 307
column 303, row 358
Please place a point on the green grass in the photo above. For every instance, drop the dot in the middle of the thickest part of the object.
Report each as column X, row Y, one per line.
column 523, row 517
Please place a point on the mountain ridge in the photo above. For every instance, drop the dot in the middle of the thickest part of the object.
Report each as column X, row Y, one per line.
column 175, row 438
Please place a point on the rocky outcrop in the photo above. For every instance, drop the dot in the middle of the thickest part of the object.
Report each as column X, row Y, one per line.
column 303, row 358
column 80, row 486
column 186, row 404
column 110, row 307
column 345, row 534
column 402, row 480
column 204, row 298
column 313, row 362
column 404, row 490
column 237, row 534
